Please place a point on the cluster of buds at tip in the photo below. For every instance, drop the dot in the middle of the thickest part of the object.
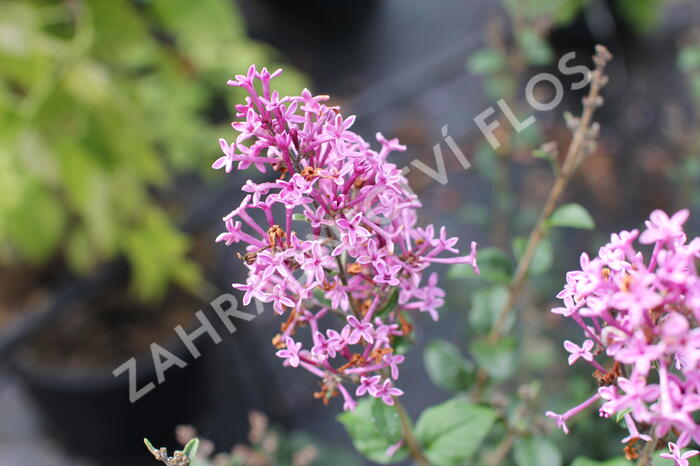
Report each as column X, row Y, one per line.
column 336, row 234
column 179, row 458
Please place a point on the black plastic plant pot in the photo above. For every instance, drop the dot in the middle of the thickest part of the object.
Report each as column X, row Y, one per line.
column 90, row 414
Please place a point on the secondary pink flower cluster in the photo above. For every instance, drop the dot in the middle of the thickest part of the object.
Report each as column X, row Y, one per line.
column 640, row 320
column 334, row 233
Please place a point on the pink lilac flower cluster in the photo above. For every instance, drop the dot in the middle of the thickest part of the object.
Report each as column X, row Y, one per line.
column 639, row 317
column 335, row 233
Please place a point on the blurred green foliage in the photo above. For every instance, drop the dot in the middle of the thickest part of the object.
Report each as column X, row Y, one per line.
column 640, row 15
column 374, row 427
column 558, row 12
column 530, row 23
column 537, row 450
column 521, row 435
column 101, row 103
column 686, row 173
column 449, row 433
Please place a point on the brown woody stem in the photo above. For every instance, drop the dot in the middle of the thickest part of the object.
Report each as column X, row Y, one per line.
column 414, row 447
column 583, row 136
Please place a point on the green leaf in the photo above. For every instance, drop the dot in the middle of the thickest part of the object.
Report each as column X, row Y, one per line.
column 474, row 213
column 537, row 50
column 582, row 461
column 157, row 253
column 528, row 137
column 621, row 415
column 37, row 225
column 549, row 157
column 695, row 87
column 374, row 427
column 458, row 271
column 543, row 258
column 643, row 15
column 538, row 354
column 571, row 216
column 401, row 344
column 149, row 445
column 689, row 58
column 486, row 161
column 486, row 61
column 88, row 81
column 446, row 366
column 542, row 154
column 497, row 359
column 320, row 296
column 530, row 451
column 496, row 87
column 122, row 37
column 486, row 303
column 390, row 304
column 451, row 432
column 299, row 217
column 386, row 420
column 79, row 253
column 207, row 35
column 495, row 266
column 567, row 11
column 191, row 448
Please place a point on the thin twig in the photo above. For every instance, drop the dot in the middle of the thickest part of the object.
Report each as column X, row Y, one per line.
column 502, row 450
column 584, row 136
column 577, row 151
column 649, row 448
column 407, row 432
column 499, row 454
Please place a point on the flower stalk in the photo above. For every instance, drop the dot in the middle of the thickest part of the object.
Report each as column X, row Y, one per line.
column 409, row 437
column 645, row 458
column 581, row 145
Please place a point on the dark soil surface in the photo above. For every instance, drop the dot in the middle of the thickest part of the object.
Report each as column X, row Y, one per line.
column 110, row 329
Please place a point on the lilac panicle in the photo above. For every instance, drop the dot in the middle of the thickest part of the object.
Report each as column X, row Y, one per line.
column 334, row 233
column 639, row 317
